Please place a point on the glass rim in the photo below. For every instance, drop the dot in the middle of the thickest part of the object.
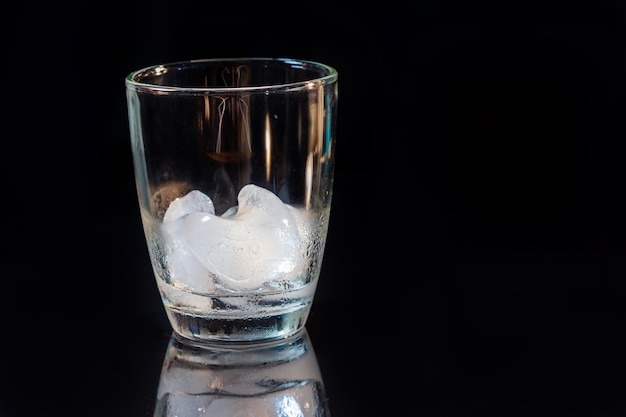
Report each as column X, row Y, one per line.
column 133, row 79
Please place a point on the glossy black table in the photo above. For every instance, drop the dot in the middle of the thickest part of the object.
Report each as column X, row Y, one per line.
column 459, row 336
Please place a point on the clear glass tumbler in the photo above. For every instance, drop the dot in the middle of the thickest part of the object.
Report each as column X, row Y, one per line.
column 234, row 162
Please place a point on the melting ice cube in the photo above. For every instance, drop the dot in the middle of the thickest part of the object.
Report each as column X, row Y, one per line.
column 194, row 201
column 255, row 242
column 183, row 267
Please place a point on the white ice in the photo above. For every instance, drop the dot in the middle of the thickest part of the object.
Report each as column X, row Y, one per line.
column 255, row 242
column 194, row 201
column 183, row 268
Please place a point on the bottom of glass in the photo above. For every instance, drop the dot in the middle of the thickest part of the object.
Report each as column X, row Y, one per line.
column 243, row 330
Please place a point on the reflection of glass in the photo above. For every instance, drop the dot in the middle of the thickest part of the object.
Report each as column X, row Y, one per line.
column 280, row 378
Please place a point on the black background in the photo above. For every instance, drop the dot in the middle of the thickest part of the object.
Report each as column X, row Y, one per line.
column 476, row 256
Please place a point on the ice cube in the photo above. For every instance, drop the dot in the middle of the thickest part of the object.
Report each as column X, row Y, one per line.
column 194, row 201
column 256, row 242
column 183, row 268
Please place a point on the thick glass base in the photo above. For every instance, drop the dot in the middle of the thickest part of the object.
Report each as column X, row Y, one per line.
column 246, row 330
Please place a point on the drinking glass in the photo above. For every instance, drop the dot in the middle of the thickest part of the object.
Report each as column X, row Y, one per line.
column 234, row 162
column 273, row 379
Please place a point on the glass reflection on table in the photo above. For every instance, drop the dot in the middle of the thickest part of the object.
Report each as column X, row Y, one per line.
column 279, row 378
